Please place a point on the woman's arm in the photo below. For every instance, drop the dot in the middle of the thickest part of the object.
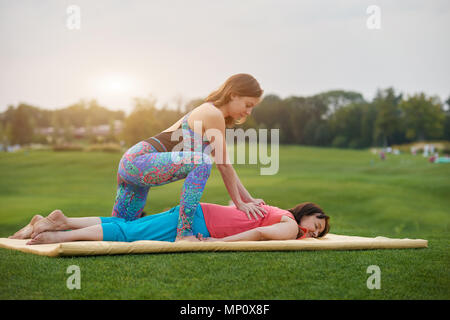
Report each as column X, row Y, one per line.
column 245, row 195
column 230, row 181
column 215, row 132
column 241, row 194
column 285, row 230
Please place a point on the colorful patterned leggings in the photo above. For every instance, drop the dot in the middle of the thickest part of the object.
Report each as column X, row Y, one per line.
column 142, row 167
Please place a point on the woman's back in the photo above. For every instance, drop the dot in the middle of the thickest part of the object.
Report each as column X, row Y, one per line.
column 223, row 221
column 196, row 114
column 184, row 128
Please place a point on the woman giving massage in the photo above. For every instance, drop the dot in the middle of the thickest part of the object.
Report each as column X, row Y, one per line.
column 182, row 152
column 211, row 222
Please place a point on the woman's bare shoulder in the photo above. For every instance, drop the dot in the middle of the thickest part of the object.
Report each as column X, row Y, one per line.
column 207, row 109
column 208, row 113
column 287, row 219
column 292, row 227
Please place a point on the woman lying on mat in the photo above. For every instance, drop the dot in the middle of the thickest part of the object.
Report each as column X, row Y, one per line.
column 212, row 222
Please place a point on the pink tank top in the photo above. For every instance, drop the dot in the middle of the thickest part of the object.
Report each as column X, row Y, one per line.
column 224, row 221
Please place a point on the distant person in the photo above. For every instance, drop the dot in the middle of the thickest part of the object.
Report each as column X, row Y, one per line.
column 434, row 158
column 382, row 155
column 425, row 151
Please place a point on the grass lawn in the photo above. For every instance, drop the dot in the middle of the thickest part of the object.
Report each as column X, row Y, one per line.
column 402, row 197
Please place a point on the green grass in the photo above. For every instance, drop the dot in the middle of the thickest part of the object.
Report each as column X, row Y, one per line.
column 402, row 197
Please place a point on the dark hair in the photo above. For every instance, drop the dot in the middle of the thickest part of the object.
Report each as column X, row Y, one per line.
column 241, row 84
column 309, row 209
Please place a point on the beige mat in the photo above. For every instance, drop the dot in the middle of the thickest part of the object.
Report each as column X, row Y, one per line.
column 329, row 242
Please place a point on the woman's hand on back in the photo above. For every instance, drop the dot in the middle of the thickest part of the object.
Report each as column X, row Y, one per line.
column 251, row 208
column 250, row 199
column 258, row 202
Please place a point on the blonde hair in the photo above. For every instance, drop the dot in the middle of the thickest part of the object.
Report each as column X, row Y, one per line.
column 241, row 84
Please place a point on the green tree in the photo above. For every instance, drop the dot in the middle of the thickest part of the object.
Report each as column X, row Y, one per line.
column 56, row 137
column 424, row 117
column 388, row 115
column 336, row 99
column 345, row 126
column 76, row 113
column 112, row 131
column 21, row 126
column 352, row 125
column 446, row 134
column 322, row 134
column 5, row 135
column 368, row 124
column 142, row 123
column 305, row 115
column 68, row 130
column 267, row 113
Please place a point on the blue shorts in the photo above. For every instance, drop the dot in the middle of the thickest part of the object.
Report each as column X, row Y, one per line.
column 159, row 227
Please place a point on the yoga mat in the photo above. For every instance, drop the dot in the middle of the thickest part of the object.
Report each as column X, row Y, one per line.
column 329, row 242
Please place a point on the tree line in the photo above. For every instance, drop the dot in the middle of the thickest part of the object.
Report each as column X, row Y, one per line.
column 337, row 118
column 345, row 119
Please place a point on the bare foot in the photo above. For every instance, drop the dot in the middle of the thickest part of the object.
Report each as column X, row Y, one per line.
column 25, row 232
column 47, row 237
column 53, row 222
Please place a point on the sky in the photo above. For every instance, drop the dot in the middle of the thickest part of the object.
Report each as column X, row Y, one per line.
column 52, row 56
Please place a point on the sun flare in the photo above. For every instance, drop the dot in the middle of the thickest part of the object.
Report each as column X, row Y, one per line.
column 114, row 84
